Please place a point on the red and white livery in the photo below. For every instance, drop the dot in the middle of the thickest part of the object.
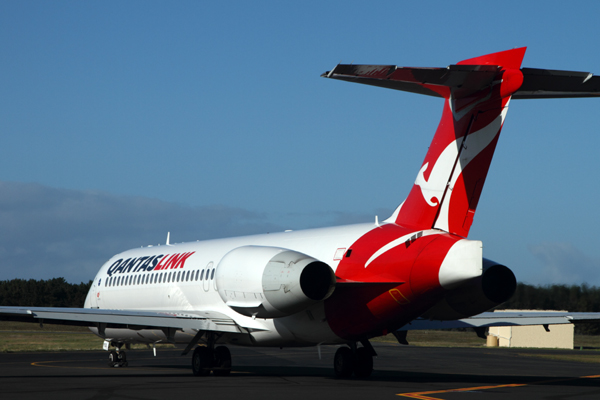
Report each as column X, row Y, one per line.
column 341, row 285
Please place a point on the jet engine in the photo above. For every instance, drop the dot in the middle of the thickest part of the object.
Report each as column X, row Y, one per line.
column 496, row 285
column 270, row 282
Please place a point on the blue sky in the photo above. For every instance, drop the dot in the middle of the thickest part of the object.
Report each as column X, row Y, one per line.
column 124, row 120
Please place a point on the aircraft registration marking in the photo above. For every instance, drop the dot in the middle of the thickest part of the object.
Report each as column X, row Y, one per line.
column 424, row 395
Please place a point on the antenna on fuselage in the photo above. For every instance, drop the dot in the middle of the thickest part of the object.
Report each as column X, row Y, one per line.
column 168, row 238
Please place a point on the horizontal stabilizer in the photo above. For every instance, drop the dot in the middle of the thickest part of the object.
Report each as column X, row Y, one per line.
column 464, row 80
column 427, row 81
column 552, row 84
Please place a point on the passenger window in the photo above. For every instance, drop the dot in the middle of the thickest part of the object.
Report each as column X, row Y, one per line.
column 197, row 274
column 202, row 275
column 212, row 275
column 179, row 276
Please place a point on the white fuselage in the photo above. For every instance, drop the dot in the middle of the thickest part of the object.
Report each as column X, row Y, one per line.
column 190, row 286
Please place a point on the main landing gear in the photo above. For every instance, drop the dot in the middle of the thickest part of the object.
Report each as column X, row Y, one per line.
column 217, row 360
column 354, row 360
column 210, row 357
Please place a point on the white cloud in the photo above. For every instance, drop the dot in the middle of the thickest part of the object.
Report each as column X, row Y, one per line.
column 563, row 263
column 47, row 232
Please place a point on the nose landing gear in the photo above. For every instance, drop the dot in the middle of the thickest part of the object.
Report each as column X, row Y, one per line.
column 117, row 358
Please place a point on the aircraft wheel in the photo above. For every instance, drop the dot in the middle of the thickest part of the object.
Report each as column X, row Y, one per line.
column 201, row 361
column 113, row 358
column 363, row 363
column 343, row 362
column 222, row 361
column 122, row 359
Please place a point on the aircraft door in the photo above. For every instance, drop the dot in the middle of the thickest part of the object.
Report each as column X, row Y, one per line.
column 95, row 293
column 207, row 274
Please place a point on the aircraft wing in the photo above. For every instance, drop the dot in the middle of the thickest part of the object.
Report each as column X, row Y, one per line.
column 504, row 318
column 126, row 319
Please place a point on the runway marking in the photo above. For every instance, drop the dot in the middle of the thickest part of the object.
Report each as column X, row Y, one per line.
column 423, row 395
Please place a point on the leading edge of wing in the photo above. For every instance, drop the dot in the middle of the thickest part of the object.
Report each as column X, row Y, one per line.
column 504, row 318
column 125, row 319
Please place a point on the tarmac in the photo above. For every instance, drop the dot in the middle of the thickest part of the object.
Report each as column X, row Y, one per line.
column 298, row 373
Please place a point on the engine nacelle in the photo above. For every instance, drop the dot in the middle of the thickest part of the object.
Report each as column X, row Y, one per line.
column 496, row 285
column 271, row 282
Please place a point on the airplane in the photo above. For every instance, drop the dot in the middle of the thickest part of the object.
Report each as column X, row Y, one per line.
column 339, row 285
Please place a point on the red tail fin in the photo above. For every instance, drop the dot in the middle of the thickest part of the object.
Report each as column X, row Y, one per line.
column 476, row 92
column 449, row 183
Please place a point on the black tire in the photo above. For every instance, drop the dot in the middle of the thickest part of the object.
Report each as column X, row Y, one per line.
column 122, row 359
column 222, row 361
column 113, row 358
column 201, row 361
column 343, row 362
column 363, row 363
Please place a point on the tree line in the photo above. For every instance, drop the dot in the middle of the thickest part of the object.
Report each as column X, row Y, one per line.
column 56, row 292
column 573, row 298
